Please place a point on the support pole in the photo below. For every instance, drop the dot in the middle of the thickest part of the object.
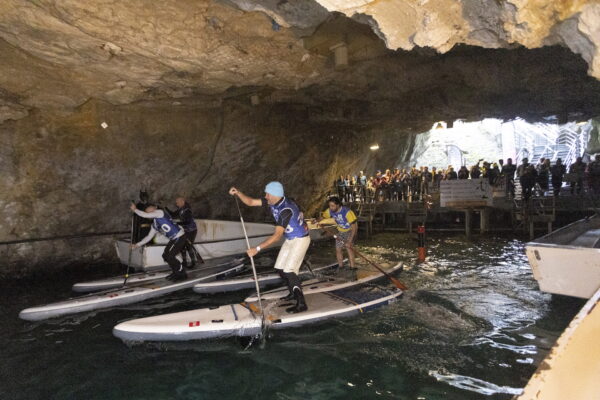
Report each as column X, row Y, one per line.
column 531, row 230
column 484, row 221
column 468, row 214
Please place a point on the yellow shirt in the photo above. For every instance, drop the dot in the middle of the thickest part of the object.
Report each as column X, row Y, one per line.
column 343, row 218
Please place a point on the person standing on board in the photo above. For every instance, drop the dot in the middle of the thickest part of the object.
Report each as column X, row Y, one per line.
column 162, row 222
column 347, row 227
column 290, row 224
column 186, row 219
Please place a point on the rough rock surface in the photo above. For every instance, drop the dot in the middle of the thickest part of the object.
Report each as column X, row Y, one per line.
column 200, row 95
column 441, row 24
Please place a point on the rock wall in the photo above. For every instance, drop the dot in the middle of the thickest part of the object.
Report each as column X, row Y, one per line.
column 64, row 174
column 442, row 24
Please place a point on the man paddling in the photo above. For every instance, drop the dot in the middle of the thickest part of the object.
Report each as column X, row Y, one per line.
column 345, row 221
column 289, row 223
column 163, row 223
column 186, row 218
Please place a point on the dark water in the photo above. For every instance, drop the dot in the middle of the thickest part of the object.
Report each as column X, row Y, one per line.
column 473, row 326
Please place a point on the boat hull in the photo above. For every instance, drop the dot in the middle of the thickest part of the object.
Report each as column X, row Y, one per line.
column 215, row 239
column 567, row 261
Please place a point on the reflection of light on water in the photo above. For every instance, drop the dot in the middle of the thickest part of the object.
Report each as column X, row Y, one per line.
column 474, row 384
column 524, row 360
column 528, row 336
column 526, row 349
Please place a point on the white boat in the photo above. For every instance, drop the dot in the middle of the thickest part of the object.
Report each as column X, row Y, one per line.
column 215, row 239
column 567, row 261
column 572, row 368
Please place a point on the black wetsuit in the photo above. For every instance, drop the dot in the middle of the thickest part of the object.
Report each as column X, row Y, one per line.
column 186, row 220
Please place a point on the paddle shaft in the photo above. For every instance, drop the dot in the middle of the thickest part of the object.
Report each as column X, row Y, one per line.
column 130, row 251
column 395, row 281
column 198, row 256
column 262, row 311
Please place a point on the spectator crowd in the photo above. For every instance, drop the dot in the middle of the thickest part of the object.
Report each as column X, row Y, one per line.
column 414, row 184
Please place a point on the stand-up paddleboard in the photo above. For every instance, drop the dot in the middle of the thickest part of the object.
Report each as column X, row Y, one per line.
column 342, row 280
column 129, row 294
column 247, row 282
column 245, row 319
column 143, row 277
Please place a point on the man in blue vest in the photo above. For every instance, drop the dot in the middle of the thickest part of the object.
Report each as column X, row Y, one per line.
column 347, row 227
column 162, row 222
column 290, row 224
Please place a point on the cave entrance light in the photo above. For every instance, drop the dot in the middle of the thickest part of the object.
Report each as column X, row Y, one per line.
column 464, row 143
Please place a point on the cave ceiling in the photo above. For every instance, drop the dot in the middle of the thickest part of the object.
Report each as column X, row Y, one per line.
column 409, row 61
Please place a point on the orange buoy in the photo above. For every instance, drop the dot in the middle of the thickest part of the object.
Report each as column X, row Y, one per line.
column 421, row 246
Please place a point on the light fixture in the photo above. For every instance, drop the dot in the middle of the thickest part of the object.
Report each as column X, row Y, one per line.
column 374, row 147
column 581, row 123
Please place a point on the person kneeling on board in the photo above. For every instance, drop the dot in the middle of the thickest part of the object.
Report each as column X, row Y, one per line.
column 163, row 223
column 347, row 227
column 184, row 214
column 289, row 223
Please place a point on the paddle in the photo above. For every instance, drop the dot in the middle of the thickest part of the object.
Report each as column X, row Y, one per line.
column 262, row 311
column 309, row 268
column 130, row 250
column 198, row 256
column 395, row 281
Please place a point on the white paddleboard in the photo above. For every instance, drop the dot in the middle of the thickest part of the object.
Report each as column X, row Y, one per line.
column 245, row 319
column 129, row 294
column 247, row 282
column 143, row 277
column 342, row 280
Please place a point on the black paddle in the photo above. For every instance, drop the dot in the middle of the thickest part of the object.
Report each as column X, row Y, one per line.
column 198, row 256
column 262, row 310
column 130, row 250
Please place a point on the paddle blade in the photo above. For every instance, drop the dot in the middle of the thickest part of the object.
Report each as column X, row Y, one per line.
column 398, row 284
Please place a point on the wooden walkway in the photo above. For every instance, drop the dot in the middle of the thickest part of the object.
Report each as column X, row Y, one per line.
column 540, row 213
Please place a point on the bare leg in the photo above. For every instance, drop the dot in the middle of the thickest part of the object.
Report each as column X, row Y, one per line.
column 351, row 257
column 340, row 257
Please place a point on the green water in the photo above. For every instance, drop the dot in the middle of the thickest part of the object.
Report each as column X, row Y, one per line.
column 472, row 326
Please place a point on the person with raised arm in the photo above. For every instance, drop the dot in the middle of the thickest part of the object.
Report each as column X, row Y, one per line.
column 289, row 224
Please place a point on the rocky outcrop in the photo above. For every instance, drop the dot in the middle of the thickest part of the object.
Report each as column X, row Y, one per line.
column 442, row 24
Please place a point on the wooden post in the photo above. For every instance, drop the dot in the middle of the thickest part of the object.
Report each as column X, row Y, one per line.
column 468, row 223
column 484, row 221
column 531, row 230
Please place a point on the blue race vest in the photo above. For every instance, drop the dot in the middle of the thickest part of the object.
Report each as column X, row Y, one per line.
column 340, row 218
column 296, row 227
column 166, row 226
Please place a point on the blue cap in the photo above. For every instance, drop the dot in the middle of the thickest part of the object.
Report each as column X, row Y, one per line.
column 274, row 188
